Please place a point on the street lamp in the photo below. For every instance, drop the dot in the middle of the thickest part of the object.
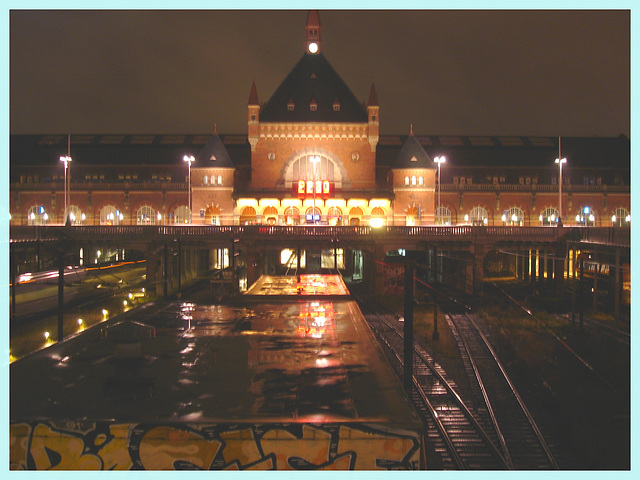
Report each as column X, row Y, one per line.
column 314, row 160
column 189, row 159
column 67, row 176
column 560, row 161
column 439, row 161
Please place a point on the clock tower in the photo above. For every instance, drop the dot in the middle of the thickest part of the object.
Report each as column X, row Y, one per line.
column 314, row 41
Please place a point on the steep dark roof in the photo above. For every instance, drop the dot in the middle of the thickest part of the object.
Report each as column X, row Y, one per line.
column 313, row 78
column 214, row 154
column 412, row 155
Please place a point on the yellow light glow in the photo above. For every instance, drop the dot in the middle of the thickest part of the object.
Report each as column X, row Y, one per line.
column 291, row 202
column 356, row 202
column 336, row 202
column 269, row 202
column 379, row 202
column 247, row 202
column 377, row 222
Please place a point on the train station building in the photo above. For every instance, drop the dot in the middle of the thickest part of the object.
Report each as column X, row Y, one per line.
column 314, row 154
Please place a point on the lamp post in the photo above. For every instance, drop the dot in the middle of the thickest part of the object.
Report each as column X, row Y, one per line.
column 66, row 159
column 314, row 159
column 189, row 159
column 560, row 161
column 439, row 161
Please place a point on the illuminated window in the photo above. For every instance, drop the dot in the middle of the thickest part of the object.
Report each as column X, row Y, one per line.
column 378, row 217
column 621, row 218
column 212, row 215
column 355, row 216
column 406, row 180
column 110, row 215
column 146, row 215
column 549, row 217
column 477, row 216
column 420, row 180
column 181, row 215
column 513, row 217
column 412, row 215
column 219, row 179
column 270, row 216
column 205, row 180
column 37, row 216
column 292, row 216
column 312, row 215
column 248, row 216
column 334, row 216
column 586, row 217
column 413, row 180
column 76, row 216
column 442, row 216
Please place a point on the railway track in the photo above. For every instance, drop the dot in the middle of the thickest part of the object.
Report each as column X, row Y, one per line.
column 493, row 429
column 452, row 430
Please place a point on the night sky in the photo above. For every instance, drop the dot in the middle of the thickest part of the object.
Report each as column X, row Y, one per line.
column 534, row 73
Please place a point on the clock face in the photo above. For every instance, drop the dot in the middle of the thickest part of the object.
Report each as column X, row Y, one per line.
column 313, row 47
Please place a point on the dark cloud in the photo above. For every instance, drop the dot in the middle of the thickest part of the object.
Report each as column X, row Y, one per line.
column 445, row 72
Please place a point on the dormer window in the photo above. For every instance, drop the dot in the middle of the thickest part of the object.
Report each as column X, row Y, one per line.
column 213, row 158
column 414, row 159
column 290, row 105
column 336, row 106
column 313, row 106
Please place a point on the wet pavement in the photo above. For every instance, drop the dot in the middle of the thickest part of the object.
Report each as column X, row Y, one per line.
column 309, row 360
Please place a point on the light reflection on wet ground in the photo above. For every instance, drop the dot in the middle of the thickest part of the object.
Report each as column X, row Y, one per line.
column 307, row 360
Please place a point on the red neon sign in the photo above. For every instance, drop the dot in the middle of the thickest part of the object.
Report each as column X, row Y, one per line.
column 309, row 188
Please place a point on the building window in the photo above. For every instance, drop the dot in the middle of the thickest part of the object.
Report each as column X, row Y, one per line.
column 420, row 180
column 270, row 215
column 146, row 215
column 205, row 180
column 442, row 216
column 110, row 215
column 334, row 216
column 355, row 216
column 292, row 216
column 621, row 218
column 414, row 180
column 412, row 215
column 513, row 217
column 549, row 217
column 181, row 215
column 212, row 215
column 248, row 216
column 406, row 180
column 219, row 179
column 586, row 217
column 378, row 217
column 76, row 216
column 478, row 216
column 37, row 216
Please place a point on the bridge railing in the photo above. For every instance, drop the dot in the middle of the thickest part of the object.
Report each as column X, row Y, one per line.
column 256, row 232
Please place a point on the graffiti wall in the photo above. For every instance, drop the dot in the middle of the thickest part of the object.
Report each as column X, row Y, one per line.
column 114, row 446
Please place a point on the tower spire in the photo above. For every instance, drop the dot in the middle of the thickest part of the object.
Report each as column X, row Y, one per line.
column 313, row 28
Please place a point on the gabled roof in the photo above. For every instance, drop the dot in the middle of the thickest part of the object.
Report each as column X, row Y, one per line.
column 214, row 154
column 313, row 78
column 412, row 155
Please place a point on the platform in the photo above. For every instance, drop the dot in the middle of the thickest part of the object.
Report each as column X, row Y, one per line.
column 302, row 385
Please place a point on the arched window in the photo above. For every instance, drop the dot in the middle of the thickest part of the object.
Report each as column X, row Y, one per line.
column 205, row 180
column 334, row 216
column 37, row 216
column 420, row 180
column 76, row 216
column 406, row 180
column 621, row 218
column 181, row 215
column 477, row 216
column 219, row 179
column 378, row 217
column 212, row 215
column 248, row 216
column 412, row 215
column 586, row 217
column 110, row 215
column 513, row 217
column 270, row 215
column 292, row 216
column 442, row 216
column 413, row 180
column 355, row 216
column 312, row 215
column 146, row 215
column 306, row 167
column 549, row 217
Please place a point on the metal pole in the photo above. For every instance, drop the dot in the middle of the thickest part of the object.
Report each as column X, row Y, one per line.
column 408, row 326
column 12, row 260
column 60, row 294
column 581, row 294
